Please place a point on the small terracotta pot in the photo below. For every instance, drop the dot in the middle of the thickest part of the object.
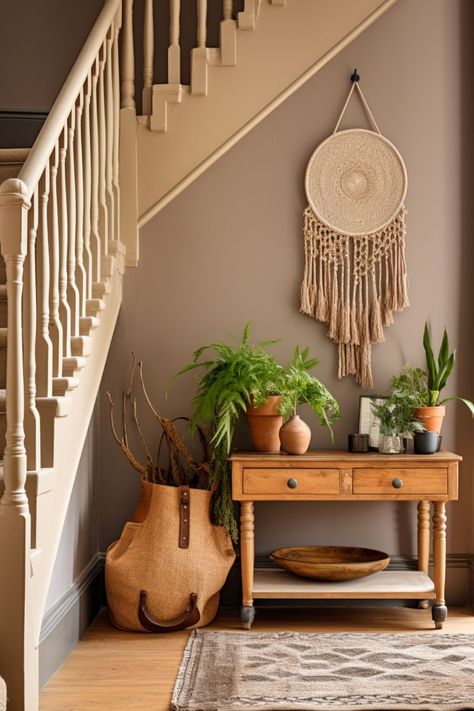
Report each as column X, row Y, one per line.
column 295, row 436
column 264, row 424
column 431, row 417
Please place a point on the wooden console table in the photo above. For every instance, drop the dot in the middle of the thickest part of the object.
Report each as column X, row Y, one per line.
column 341, row 476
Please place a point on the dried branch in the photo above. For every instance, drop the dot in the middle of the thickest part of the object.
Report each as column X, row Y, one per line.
column 124, row 418
column 121, row 443
column 140, row 432
column 182, row 467
column 150, row 405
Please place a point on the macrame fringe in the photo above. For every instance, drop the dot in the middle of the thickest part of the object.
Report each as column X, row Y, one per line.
column 354, row 285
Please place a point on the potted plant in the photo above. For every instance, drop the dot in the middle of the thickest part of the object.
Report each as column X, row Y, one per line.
column 390, row 441
column 396, row 423
column 245, row 379
column 423, row 390
column 300, row 387
column 236, row 378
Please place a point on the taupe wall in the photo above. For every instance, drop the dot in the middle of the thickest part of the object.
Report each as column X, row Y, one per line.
column 39, row 42
column 230, row 249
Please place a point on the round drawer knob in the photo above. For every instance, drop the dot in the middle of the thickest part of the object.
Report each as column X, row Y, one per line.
column 397, row 483
column 292, row 483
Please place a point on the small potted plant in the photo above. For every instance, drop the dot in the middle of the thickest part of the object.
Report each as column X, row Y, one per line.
column 391, row 441
column 423, row 390
column 300, row 387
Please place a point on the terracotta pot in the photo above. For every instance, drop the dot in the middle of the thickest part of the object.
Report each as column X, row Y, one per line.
column 264, row 424
column 431, row 417
column 295, row 436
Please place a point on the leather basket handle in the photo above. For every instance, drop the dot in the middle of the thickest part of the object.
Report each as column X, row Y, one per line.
column 188, row 618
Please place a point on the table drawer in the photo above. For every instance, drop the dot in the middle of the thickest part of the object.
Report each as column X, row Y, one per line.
column 400, row 481
column 290, row 482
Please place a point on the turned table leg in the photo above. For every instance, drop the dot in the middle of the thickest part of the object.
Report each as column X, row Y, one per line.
column 423, row 541
column 247, row 555
column 439, row 611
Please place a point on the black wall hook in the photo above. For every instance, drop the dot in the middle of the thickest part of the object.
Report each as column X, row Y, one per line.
column 355, row 76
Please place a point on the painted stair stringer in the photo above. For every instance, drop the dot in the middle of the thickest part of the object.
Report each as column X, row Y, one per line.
column 68, row 450
column 287, row 48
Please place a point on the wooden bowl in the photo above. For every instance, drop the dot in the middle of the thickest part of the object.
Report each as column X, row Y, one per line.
column 330, row 562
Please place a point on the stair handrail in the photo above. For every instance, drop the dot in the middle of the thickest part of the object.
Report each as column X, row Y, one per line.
column 59, row 227
column 53, row 126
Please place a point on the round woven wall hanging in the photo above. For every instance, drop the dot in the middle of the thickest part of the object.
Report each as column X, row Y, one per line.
column 354, row 229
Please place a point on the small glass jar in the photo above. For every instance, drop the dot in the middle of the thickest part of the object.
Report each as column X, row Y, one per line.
column 390, row 444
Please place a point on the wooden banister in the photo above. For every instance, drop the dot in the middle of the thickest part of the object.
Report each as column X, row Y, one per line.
column 53, row 126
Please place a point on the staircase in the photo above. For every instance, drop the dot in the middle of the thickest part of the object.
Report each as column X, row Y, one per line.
column 70, row 211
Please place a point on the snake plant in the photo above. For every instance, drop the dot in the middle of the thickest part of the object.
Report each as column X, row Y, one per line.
column 423, row 389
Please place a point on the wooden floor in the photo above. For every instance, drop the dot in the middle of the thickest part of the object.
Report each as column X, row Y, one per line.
column 110, row 669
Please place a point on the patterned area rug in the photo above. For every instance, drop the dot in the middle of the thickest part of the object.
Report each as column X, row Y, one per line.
column 231, row 671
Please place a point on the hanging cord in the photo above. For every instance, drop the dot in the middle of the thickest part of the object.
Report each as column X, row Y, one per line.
column 355, row 85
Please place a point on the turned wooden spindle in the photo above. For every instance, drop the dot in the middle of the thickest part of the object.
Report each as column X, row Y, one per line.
column 64, row 310
column 95, row 238
column 103, row 208
column 174, row 50
column 44, row 348
column 148, row 52
column 115, row 155
column 128, row 61
column 109, row 139
column 87, row 179
column 199, row 53
column 228, row 36
column 72, row 291
column 32, row 422
column 55, row 327
column 81, row 279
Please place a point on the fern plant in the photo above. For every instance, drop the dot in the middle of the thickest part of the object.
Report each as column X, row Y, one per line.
column 299, row 387
column 234, row 376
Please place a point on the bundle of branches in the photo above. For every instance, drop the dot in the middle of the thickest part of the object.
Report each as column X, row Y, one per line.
column 181, row 467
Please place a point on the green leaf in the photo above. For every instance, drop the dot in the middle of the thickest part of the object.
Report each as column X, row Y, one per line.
column 246, row 336
column 430, row 361
column 468, row 403
column 445, row 372
column 443, row 354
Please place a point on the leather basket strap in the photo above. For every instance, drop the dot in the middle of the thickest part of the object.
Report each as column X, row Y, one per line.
column 188, row 618
column 184, row 516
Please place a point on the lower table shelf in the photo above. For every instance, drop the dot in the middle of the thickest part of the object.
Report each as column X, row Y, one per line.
column 389, row 584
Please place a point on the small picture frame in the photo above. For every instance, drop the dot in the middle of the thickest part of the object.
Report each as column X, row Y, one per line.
column 369, row 423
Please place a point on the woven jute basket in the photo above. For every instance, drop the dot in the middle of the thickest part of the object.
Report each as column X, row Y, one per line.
column 156, row 580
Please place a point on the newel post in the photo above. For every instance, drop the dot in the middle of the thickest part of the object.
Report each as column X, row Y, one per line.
column 128, row 176
column 14, row 206
column 18, row 651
